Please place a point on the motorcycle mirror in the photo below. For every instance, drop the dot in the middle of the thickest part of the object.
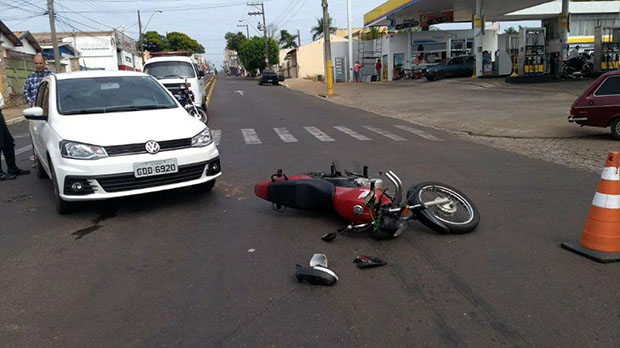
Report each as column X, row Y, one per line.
column 318, row 260
column 329, row 237
column 183, row 87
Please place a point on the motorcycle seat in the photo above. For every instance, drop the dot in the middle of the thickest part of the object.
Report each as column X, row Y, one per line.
column 308, row 194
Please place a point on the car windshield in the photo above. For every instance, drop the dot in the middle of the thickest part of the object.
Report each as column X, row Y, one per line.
column 170, row 70
column 111, row 94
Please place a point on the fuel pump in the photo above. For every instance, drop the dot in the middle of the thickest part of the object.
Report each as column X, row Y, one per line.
column 507, row 54
column 610, row 53
column 532, row 52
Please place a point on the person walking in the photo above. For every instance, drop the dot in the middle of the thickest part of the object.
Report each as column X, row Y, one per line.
column 356, row 71
column 34, row 79
column 378, row 67
column 7, row 147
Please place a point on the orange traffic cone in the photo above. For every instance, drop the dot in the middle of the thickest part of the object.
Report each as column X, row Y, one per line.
column 600, row 240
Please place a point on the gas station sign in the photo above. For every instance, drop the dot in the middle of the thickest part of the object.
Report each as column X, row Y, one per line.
column 436, row 18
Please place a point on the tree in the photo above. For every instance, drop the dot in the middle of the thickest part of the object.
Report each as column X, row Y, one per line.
column 511, row 30
column 234, row 40
column 153, row 42
column 181, row 42
column 317, row 31
column 252, row 53
column 287, row 40
column 372, row 34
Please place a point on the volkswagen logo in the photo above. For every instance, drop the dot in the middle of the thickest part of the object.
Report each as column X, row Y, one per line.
column 152, row 147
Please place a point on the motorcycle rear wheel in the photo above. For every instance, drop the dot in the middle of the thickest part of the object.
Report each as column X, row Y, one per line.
column 460, row 215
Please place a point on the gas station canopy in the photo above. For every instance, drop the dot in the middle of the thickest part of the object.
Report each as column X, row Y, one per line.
column 454, row 10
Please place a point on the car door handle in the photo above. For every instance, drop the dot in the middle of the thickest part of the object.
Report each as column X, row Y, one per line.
column 590, row 103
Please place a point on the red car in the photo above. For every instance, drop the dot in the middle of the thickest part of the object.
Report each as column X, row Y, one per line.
column 599, row 105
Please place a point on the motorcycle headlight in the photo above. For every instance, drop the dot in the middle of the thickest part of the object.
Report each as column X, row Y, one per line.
column 202, row 139
column 74, row 150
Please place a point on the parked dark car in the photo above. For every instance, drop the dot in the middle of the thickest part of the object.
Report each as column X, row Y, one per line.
column 268, row 76
column 457, row 66
column 599, row 105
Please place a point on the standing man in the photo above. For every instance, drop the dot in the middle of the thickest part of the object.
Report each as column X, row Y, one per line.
column 378, row 67
column 7, row 147
column 356, row 71
column 34, row 79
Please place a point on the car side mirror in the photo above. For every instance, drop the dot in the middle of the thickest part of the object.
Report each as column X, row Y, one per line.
column 35, row 114
column 201, row 73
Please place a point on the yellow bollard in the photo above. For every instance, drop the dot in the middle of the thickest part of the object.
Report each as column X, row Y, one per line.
column 329, row 78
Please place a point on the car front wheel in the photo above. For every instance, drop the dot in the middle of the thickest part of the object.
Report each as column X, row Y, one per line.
column 62, row 206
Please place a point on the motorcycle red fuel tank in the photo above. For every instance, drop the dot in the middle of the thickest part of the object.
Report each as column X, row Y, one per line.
column 346, row 198
column 261, row 188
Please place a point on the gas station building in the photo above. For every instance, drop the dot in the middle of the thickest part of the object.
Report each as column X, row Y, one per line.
column 412, row 42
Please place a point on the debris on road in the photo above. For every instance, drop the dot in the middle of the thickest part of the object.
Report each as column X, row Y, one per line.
column 369, row 261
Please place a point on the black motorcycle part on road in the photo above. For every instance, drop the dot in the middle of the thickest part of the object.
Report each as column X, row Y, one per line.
column 439, row 223
column 310, row 194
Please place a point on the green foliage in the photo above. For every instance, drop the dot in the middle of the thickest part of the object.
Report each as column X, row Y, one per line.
column 511, row 30
column 234, row 40
column 181, row 42
column 317, row 31
column 252, row 53
column 174, row 41
column 372, row 34
column 152, row 41
column 287, row 40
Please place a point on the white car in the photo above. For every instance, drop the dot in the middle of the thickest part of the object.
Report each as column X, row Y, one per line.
column 108, row 134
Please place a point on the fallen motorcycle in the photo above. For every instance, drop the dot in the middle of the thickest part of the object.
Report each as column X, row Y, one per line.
column 368, row 204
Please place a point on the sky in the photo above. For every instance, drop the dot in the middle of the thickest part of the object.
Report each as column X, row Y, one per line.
column 204, row 20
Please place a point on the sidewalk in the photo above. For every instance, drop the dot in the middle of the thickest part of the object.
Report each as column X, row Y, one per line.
column 526, row 119
column 14, row 114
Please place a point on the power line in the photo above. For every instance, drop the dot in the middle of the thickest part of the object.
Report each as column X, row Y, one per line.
column 295, row 13
column 165, row 9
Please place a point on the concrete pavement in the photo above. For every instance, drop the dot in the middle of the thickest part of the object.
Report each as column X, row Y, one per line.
column 174, row 268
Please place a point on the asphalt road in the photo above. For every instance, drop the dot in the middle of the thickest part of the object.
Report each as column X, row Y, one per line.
column 174, row 269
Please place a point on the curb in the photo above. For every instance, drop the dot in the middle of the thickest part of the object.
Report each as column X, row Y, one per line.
column 15, row 120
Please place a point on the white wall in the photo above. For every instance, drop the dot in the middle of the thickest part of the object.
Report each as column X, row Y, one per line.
column 6, row 44
column 26, row 48
column 96, row 52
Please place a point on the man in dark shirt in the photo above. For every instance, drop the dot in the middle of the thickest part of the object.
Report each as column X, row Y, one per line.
column 7, row 147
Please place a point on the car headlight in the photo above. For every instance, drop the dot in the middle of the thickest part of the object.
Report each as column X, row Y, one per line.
column 202, row 139
column 74, row 150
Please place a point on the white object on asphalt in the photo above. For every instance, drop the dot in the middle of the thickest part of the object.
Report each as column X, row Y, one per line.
column 419, row 132
column 285, row 135
column 240, row 92
column 250, row 137
column 251, row 250
column 385, row 133
column 319, row 134
column 352, row 133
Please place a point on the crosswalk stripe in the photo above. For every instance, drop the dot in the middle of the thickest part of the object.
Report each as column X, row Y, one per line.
column 385, row 133
column 319, row 134
column 420, row 133
column 250, row 136
column 352, row 133
column 285, row 135
column 217, row 136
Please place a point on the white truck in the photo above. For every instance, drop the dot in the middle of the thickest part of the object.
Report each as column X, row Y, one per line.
column 174, row 70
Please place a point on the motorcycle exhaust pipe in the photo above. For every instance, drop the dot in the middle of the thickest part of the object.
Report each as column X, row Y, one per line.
column 397, row 184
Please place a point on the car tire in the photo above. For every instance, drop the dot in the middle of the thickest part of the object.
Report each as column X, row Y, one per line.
column 38, row 167
column 62, row 207
column 440, row 75
column 260, row 83
column 204, row 187
column 615, row 128
column 430, row 77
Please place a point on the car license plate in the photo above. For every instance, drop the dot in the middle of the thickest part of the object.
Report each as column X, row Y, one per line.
column 152, row 168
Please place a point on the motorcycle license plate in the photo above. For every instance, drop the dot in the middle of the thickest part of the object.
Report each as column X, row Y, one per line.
column 153, row 168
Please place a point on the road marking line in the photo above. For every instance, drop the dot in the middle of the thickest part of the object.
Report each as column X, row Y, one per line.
column 217, row 136
column 20, row 150
column 212, row 87
column 285, row 135
column 250, row 136
column 319, row 134
column 385, row 133
column 420, row 133
column 352, row 133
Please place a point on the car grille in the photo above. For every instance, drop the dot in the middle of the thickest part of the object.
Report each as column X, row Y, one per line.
column 174, row 88
column 168, row 145
column 127, row 181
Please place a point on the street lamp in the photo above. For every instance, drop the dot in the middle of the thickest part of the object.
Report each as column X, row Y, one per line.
column 140, row 33
column 149, row 21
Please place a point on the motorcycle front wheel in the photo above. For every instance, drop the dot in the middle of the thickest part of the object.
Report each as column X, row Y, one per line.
column 200, row 115
column 459, row 216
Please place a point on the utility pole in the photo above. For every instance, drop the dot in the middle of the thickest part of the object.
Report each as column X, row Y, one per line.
column 350, row 40
column 262, row 12
column 50, row 9
column 327, row 50
column 140, row 40
column 247, row 29
column 298, row 39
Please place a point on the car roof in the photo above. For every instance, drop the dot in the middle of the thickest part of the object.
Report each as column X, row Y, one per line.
column 170, row 59
column 97, row 73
